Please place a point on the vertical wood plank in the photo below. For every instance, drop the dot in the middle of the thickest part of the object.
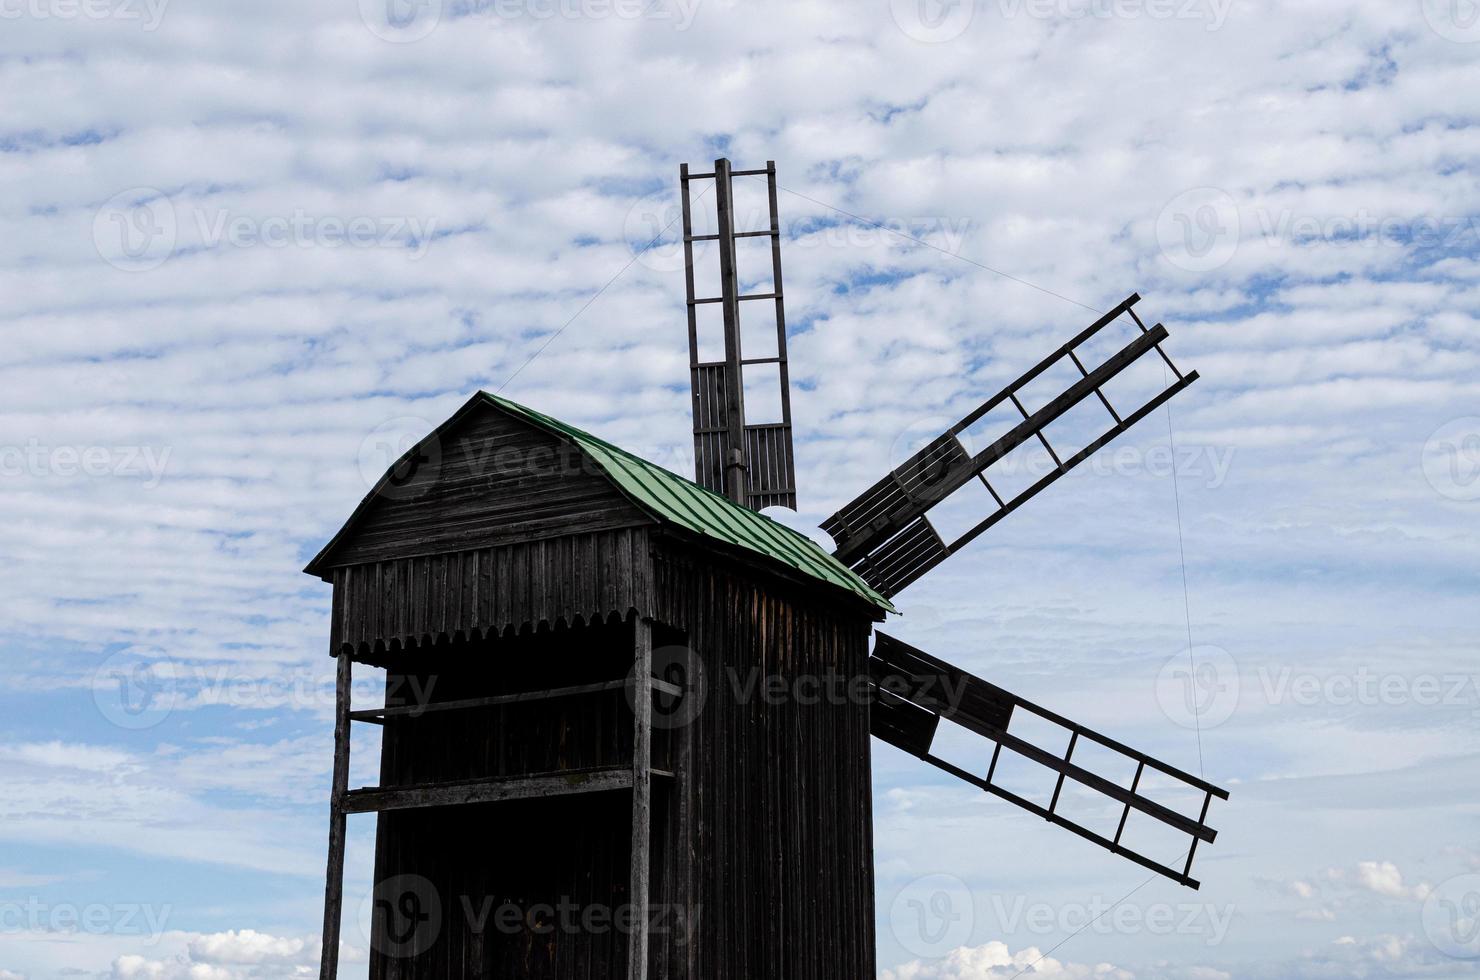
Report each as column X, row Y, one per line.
column 642, row 792
column 334, row 875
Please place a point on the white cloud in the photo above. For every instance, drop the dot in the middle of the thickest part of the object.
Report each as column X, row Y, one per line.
column 233, row 955
column 994, row 961
column 1050, row 145
column 1384, row 878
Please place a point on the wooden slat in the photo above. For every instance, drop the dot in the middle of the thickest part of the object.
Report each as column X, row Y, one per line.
column 642, row 797
column 493, row 790
column 334, row 874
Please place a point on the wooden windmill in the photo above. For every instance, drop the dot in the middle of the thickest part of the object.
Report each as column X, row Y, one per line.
column 585, row 771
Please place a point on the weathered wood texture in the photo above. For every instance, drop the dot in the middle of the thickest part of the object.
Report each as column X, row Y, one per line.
column 489, row 480
column 770, row 827
column 490, row 581
column 640, row 890
column 334, row 874
column 524, row 855
column 396, row 604
column 761, row 842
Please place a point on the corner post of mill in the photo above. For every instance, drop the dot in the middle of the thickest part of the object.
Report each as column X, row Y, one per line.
column 642, row 792
column 334, row 874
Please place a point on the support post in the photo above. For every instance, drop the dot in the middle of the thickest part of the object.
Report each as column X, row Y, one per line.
column 735, row 476
column 334, row 876
column 642, row 794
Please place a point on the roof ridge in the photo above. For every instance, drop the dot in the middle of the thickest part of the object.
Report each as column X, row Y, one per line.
column 789, row 546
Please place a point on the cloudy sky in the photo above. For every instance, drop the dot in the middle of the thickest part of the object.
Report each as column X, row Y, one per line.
column 248, row 246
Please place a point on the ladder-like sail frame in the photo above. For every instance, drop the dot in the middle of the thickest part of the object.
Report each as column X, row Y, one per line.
column 753, row 464
column 914, row 691
column 884, row 534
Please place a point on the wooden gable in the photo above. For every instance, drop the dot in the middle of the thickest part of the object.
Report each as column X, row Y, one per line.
column 483, row 479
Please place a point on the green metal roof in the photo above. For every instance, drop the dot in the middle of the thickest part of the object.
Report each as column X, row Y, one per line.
column 675, row 500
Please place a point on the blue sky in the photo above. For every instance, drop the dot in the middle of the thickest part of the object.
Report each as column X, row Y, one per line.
column 247, row 249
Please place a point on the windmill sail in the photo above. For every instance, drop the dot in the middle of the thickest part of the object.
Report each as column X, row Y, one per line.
column 914, row 691
column 885, row 535
column 751, row 463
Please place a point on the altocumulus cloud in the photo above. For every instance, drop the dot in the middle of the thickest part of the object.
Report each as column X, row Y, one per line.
column 326, row 231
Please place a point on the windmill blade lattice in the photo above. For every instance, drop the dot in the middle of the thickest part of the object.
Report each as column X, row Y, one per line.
column 885, row 534
column 914, row 691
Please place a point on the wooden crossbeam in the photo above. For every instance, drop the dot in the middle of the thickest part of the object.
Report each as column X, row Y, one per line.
column 378, row 799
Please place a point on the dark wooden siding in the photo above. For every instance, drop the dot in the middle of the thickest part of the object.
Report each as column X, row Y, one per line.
column 488, row 480
column 522, row 855
column 762, row 839
column 769, row 827
column 394, row 604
